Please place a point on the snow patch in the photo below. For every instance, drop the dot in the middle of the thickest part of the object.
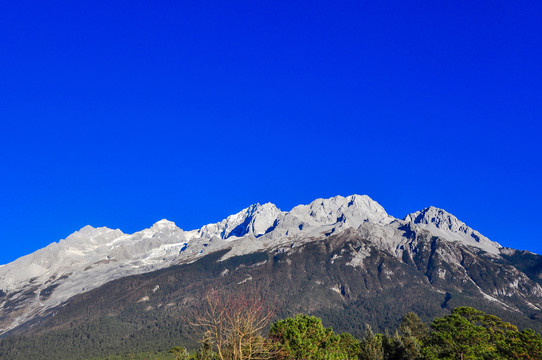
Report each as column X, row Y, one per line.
column 249, row 278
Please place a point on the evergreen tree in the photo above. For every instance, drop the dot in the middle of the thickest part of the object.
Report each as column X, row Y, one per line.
column 371, row 346
column 304, row 337
column 180, row 353
column 468, row 333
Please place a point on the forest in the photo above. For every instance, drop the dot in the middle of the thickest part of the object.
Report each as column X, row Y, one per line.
column 248, row 326
column 241, row 328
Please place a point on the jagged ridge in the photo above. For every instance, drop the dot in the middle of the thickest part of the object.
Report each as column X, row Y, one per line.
column 91, row 256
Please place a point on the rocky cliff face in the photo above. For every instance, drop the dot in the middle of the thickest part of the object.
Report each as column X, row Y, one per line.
column 364, row 253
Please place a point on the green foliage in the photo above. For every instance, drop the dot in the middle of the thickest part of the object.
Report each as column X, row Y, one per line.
column 180, row 353
column 205, row 352
column 371, row 346
column 402, row 347
column 411, row 325
column 350, row 345
column 304, row 337
column 138, row 356
column 468, row 333
column 407, row 342
column 465, row 334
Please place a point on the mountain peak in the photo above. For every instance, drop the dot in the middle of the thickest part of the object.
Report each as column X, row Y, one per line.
column 91, row 235
column 164, row 224
column 353, row 208
column 93, row 256
column 438, row 217
column 442, row 223
column 255, row 219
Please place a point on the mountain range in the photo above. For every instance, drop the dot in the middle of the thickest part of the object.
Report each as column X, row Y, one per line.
column 343, row 258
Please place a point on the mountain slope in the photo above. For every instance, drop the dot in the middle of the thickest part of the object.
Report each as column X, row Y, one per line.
column 369, row 260
column 93, row 256
column 347, row 279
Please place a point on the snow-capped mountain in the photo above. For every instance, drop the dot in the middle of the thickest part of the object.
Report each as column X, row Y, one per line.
column 255, row 220
column 442, row 223
column 91, row 257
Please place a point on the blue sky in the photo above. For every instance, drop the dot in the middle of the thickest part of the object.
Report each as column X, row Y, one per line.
column 122, row 113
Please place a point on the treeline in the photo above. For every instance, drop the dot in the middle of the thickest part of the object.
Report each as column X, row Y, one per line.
column 464, row 334
column 241, row 328
column 99, row 339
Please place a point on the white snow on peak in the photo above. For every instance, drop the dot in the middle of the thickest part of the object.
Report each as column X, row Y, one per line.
column 92, row 256
column 255, row 219
column 78, row 247
column 441, row 223
column 164, row 225
column 89, row 235
column 87, row 259
column 326, row 215
column 351, row 210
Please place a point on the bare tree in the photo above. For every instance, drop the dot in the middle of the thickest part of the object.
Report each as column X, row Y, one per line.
column 234, row 324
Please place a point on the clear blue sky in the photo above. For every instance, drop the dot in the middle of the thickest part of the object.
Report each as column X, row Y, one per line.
column 121, row 113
